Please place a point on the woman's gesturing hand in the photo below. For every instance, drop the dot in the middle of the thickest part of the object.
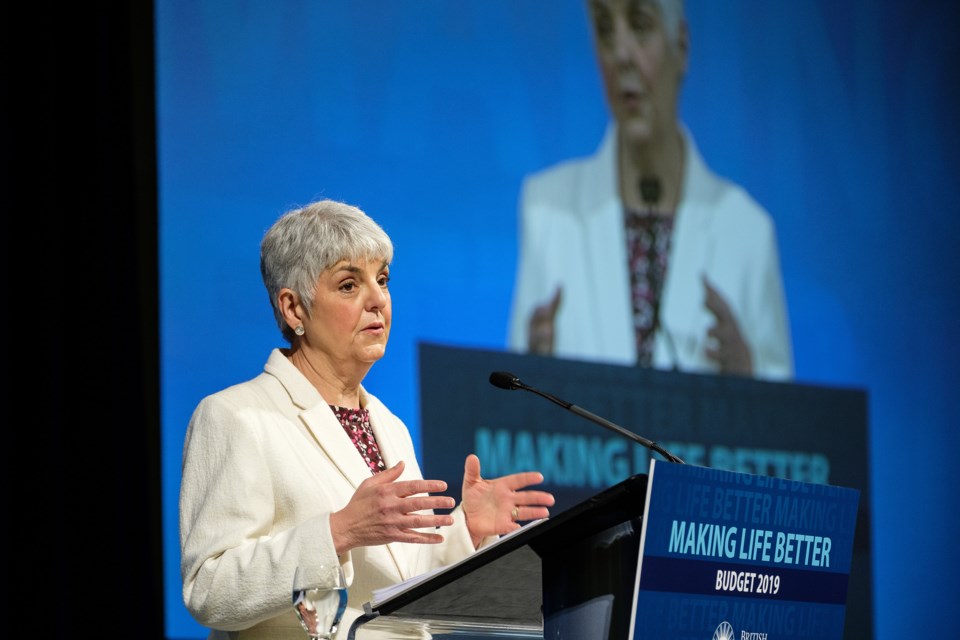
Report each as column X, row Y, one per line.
column 493, row 507
column 384, row 509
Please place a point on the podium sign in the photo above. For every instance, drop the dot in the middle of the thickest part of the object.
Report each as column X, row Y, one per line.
column 734, row 555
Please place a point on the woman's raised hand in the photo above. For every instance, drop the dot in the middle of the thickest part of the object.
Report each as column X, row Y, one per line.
column 493, row 507
column 385, row 509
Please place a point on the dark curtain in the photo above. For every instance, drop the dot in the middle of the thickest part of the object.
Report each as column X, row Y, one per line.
column 81, row 387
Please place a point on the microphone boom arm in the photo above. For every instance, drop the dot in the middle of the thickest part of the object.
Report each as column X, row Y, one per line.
column 515, row 383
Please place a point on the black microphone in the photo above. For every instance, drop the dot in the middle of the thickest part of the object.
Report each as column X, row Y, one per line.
column 507, row 380
column 650, row 190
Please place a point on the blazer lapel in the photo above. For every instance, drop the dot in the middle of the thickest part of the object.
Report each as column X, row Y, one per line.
column 600, row 205
column 334, row 441
column 331, row 438
column 393, row 450
column 682, row 311
column 319, row 419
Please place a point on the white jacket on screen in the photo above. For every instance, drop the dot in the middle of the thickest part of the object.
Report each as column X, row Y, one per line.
column 572, row 235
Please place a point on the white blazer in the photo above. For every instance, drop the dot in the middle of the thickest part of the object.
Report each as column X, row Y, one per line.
column 572, row 234
column 265, row 462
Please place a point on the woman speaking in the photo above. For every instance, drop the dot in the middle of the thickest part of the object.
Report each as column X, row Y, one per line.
column 303, row 465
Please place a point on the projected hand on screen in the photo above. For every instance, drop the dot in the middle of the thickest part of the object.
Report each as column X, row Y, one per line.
column 543, row 325
column 728, row 347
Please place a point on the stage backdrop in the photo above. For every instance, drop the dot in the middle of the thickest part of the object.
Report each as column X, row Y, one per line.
column 837, row 116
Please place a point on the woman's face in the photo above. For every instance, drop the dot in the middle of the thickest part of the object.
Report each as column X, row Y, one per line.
column 349, row 322
column 641, row 68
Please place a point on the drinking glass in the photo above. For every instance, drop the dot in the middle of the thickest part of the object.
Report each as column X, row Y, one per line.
column 320, row 598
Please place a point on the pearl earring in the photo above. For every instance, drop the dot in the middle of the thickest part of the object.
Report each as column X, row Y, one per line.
column 299, row 330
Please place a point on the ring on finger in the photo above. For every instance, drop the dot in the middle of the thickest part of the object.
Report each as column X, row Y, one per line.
column 515, row 513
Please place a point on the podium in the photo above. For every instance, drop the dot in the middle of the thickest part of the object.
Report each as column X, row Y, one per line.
column 681, row 552
column 812, row 434
column 508, row 589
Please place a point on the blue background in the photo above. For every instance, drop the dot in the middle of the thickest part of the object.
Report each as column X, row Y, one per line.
column 838, row 116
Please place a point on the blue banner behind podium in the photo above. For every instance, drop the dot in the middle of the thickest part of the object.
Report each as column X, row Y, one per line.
column 731, row 555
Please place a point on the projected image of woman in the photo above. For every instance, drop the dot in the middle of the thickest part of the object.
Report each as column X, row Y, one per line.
column 640, row 254
column 303, row 465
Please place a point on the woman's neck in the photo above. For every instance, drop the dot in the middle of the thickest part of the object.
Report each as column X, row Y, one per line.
column 337, row 385
column 658, row 162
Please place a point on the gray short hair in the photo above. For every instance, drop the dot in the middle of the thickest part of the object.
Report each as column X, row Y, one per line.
column 672, row 12
column 306, row 241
